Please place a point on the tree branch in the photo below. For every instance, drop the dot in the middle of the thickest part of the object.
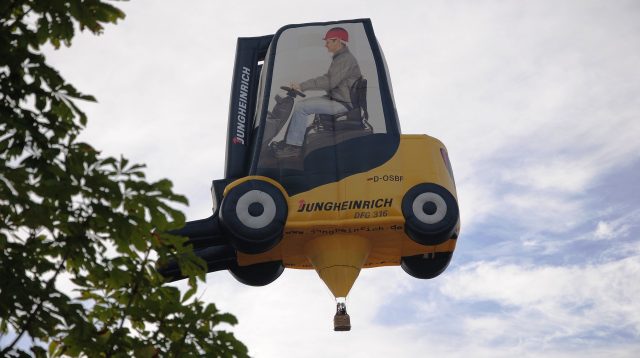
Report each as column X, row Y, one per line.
column 134, row 292
column 184, row 338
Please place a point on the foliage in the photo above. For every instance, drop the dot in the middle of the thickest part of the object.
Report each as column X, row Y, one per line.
column 81, row 234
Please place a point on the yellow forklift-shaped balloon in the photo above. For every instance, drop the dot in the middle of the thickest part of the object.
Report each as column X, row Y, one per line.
column 318, row 175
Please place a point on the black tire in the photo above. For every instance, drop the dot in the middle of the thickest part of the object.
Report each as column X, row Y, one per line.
column 254, row 214
column 259, row 274
column 426, row 266
column 431, row 214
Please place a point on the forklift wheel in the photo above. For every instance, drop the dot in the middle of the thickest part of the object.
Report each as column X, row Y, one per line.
column 431, row 214
column 254, row 212
column 426, row 266
column 259, row 274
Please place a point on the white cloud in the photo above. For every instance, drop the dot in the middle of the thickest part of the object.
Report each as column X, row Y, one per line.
column 477, row 202
column 604, row 230
column 544, row 305
column 619, row 227
column 542, row 211
column 564, row 175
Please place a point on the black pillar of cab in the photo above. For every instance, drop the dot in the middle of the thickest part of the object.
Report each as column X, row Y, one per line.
column 246, row 75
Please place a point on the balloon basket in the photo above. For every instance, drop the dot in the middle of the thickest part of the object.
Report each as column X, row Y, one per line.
column 341, row 321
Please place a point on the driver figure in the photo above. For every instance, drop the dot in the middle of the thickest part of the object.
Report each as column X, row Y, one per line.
column 343, row 72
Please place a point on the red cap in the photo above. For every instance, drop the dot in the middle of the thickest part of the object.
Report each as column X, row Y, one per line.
column 337, row 33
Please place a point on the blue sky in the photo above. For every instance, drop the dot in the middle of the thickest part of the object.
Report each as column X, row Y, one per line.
column 538, row 105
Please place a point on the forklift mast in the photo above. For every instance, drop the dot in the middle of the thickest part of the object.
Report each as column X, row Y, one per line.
column 250, row 52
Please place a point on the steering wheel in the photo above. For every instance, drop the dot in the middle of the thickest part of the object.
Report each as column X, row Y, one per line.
column 292, row 92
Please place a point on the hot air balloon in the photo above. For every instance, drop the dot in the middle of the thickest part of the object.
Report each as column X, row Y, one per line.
column 317, row 174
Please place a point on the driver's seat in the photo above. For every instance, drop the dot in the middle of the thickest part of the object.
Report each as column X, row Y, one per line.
column 356, row 116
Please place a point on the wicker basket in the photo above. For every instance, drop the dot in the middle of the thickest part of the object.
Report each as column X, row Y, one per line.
column 341, row 322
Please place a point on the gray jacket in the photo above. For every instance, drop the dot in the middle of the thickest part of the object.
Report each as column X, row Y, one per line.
column 343, row 72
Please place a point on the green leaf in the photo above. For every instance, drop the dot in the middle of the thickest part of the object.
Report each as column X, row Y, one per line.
column 190, row 292
column 145, row 352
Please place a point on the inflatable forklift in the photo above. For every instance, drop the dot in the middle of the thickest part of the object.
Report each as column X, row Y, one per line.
column 318, row 175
